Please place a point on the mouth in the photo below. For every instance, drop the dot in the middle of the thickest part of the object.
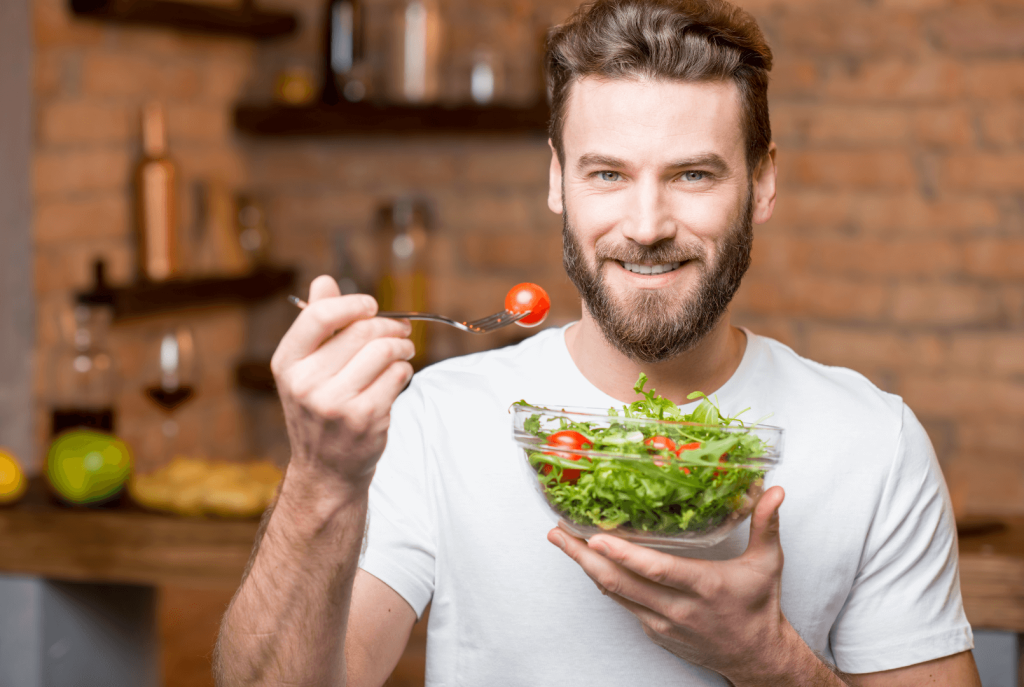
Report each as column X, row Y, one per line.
column 661, row 268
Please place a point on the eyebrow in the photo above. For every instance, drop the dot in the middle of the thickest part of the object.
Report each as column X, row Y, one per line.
column 711, row 161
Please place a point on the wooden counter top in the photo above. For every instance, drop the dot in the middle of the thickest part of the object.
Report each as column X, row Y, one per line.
column 126, row 545
column 121, row 544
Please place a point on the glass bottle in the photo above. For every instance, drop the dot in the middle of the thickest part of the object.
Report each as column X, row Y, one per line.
column 403, row 286
column 82, row 376
column 155, row 202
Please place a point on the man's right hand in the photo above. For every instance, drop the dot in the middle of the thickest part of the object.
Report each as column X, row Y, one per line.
column 338, row 370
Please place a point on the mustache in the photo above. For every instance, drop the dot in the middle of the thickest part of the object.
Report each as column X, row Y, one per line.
column 658, row 253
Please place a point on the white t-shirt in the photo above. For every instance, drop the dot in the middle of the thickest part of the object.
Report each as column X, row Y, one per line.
column 870, row 577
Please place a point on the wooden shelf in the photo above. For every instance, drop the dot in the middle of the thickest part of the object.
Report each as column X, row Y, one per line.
column 245, row 21
column 150, row 298
column 121, row 544
column 351, row 119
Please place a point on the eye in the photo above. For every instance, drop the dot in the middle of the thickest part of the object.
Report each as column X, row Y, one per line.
column 694, row 176
column 609, row 176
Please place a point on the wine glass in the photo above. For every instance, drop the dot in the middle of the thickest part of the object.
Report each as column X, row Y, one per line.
column 176, row 372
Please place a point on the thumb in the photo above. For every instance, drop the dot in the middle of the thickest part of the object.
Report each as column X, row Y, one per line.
column 764, row 523
column 323, row 287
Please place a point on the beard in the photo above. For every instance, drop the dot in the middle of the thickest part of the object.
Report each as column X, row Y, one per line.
column 649, row 326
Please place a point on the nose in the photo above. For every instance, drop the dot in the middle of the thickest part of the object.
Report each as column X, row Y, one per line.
column 650, row 219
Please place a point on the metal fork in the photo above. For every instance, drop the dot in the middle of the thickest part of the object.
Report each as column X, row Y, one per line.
column 481, row 326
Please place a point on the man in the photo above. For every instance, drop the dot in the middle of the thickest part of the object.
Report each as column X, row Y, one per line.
column 661, row 163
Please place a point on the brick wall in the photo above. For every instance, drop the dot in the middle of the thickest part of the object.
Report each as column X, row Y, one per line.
column 896, row 249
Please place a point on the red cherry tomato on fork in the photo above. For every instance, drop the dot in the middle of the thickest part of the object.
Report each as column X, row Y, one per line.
column 527, row 297
column 571, row 440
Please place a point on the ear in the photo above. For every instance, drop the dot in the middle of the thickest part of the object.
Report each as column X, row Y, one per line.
column 554, row 182
column 764, row 187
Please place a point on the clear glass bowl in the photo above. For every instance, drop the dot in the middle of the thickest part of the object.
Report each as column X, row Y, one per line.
column 671, row 500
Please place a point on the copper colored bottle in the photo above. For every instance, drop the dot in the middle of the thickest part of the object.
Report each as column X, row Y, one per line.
column 155, row 201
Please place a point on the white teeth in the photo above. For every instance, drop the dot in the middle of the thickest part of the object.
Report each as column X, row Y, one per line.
column 651, row 269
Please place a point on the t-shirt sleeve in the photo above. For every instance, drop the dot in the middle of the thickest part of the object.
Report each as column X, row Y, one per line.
column 905, row 605
column 399, row 548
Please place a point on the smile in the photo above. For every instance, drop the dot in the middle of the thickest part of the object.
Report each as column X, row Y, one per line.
column 651, row 269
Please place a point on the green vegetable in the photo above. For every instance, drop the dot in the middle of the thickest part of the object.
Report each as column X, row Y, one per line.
column 625, row 483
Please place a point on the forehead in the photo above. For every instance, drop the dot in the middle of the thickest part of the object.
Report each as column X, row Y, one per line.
column 653, row 120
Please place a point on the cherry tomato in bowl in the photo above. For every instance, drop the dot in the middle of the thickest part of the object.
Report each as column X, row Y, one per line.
column 571, row 440
column 527, row 297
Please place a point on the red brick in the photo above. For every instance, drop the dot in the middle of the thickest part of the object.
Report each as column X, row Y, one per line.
column 913, row 4
column 994, row 79
column 53, row 26
column 509, row 252
column 484, row 212
column 883, row 169
column 991, row 435
column 800, row 295
column 888, row 79
column 47, row 73
column 66, row 266
column 983, row 172
column 99, row 217
column 963, row 397
column 858, row 125
column 794, row 75
column 874, row 257
column 224, row 79
column 978, row 30
column 86, row 121
column 874, row 348
column 938, row 303
column 1003, row 125
column 986, row 484
column 851, row 31
column 993, row 353
column 812, row 208
column 81, row 170
column 216, row 163
column 944, row 126
column 996, row 259
column 888, row 213
column 198, row 123
column 523, row 163
column 131, row 74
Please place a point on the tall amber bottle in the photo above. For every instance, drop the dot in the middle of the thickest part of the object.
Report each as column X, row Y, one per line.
column 402, row 229
column 155, row 201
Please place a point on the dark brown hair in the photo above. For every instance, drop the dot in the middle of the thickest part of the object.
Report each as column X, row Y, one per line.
column 684, row 40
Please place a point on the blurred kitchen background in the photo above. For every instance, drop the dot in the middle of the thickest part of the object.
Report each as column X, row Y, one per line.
column 169, row 172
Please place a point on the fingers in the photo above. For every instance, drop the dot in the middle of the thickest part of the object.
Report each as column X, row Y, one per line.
column 682, row 574
column 317, row 323
column 338, row 351
column 323, row 287
column 611, row 578
column 365, row 367
column 764, row 524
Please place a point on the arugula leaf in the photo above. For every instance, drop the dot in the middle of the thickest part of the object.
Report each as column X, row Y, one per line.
column 624, row 483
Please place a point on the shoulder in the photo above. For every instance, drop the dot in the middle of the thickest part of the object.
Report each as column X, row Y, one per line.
column 827, row 405
column 829, row 389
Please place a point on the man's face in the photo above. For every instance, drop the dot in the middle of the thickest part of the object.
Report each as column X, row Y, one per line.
column 658, row 208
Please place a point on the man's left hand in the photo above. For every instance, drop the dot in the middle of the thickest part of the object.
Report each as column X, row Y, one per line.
column 723, row 615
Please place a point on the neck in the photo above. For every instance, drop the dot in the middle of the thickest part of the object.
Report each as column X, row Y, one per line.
column 705, row 368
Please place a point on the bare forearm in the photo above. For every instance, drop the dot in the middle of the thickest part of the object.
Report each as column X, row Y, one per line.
column 286, row 624
column 797, row 666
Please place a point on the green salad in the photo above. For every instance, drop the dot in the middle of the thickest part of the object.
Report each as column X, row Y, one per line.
column 658, row 478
